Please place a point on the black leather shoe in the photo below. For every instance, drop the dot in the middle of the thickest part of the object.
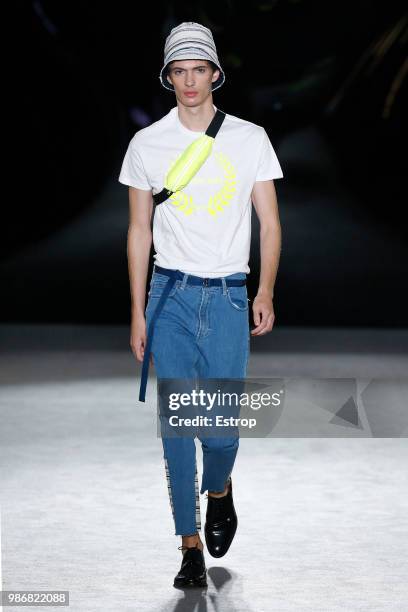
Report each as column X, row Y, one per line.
column 221, row 523
column 192, row 572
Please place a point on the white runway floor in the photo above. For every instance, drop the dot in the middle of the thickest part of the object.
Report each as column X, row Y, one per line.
column 84, row 507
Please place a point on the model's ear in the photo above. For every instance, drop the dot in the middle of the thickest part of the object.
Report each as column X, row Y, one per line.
column 168, row 76
column 216, row 75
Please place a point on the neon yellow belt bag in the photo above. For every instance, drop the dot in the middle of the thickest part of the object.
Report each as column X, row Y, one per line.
column 190, row 160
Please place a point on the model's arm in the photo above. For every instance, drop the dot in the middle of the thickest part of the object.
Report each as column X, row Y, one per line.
column 266, row 206
column 139, row 241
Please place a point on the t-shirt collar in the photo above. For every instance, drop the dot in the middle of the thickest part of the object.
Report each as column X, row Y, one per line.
column 183, row 128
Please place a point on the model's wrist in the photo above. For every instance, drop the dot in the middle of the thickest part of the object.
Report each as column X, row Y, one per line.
column 136, row 311
column 265, row 293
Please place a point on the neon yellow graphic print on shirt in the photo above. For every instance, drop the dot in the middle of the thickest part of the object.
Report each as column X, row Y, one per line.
column 204, row 228
column 215, row 203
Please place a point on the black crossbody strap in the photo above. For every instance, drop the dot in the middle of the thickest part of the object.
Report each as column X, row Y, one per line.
column 215, row 124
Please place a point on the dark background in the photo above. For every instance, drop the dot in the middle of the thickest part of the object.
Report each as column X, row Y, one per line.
column 327, row 81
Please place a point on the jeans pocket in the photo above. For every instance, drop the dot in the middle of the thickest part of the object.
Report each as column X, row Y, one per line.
column 238, row 297
column 157, row 287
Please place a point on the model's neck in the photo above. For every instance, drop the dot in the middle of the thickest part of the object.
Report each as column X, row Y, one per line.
column 197, row 118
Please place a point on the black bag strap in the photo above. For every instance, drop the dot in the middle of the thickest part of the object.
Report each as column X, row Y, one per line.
column 212, row 131
column 215, row 124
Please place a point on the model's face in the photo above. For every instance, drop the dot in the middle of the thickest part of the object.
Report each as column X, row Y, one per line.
column 192, row 76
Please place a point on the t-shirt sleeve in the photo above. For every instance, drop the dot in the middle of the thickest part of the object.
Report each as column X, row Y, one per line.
column 268, row 165
column 133, row 172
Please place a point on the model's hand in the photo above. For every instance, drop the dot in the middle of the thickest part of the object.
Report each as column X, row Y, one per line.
column 264, row 315
column 138, row 337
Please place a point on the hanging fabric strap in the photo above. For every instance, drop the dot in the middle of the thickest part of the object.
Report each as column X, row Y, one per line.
column 211, row 133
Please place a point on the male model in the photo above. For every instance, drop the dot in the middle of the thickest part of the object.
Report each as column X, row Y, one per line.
column 196, row 321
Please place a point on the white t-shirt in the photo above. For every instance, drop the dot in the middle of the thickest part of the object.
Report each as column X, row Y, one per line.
column 204, row 229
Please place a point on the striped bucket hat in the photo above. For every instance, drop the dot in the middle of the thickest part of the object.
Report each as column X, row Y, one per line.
column 190, row 40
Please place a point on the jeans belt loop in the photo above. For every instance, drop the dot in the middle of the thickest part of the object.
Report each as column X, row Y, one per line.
column 224, row 286
column 184, row 281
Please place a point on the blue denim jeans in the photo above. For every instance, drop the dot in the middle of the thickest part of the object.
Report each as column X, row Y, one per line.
column 200, row 332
